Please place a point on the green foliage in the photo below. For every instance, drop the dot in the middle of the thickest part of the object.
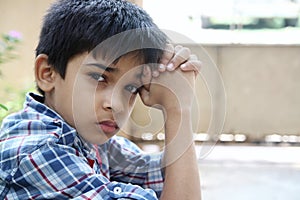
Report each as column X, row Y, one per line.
column 11, row 106
column 3, row 107
column 8, row 43
column 16, row 101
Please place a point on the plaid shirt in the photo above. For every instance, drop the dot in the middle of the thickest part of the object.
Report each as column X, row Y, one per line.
column 42, row 157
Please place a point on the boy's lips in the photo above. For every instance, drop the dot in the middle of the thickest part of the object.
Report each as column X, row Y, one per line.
column 108, row 126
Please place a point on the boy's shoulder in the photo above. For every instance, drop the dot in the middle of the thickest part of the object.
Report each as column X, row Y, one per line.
column 34, row 119
column 28, row 130
column 30, row 126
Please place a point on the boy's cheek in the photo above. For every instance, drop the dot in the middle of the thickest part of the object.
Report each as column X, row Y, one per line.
column 122, row 118
column 83, row 103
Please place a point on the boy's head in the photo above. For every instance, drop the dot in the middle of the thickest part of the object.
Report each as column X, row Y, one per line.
column 87, row 58
column 72, row 27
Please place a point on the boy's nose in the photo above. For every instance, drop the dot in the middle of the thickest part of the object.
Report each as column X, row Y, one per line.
column 113, row 101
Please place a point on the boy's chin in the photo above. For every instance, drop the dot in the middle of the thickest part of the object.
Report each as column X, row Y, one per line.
column 98, row 141
column 97, row 137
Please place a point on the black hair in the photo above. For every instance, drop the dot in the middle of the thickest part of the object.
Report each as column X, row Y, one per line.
column 71, row 27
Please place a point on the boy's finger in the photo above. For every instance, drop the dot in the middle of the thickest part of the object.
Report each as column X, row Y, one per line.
column 161, row 67
column 193, row 64
column 177, row 48
column 167, row 54
column 181, row 56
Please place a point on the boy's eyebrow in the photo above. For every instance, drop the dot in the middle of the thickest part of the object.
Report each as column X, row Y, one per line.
column 103, row 67
column 110, row 69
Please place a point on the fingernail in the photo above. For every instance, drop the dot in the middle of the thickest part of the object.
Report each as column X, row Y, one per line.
column 162, row 67
column 155, row 73
column 170, row 67
column 183, row 66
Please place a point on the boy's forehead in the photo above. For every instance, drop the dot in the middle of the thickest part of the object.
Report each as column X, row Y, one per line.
column 128, row 62
column 110, row 57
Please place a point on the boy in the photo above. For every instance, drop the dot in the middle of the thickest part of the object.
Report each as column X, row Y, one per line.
column 93, row 58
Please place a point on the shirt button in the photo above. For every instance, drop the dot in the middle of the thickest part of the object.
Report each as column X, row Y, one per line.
column 117, row 190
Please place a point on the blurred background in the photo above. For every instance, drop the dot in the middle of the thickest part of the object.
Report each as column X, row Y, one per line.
column 255, row 47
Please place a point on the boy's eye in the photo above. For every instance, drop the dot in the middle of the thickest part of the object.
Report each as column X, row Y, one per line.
column 98, row 77
column 132, row 89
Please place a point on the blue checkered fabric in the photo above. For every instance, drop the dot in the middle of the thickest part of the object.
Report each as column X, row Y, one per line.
column 42, row 157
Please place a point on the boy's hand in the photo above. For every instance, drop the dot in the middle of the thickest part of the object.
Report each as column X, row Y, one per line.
column 173, row 86
column 174, row 57
column 171, row 90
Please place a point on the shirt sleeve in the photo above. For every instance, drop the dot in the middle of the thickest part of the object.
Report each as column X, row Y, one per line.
column 128, row 163
column 58, row 172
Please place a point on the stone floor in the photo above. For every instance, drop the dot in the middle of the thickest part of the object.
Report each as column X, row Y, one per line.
column 247, row 172
column 250, row 173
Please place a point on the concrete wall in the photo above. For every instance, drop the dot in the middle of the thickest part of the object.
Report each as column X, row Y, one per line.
column 25, row 17
column 262, row 86
column 261, row 81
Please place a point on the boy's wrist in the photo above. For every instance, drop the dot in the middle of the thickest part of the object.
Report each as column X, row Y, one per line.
column 177, row 120
column 176, row 111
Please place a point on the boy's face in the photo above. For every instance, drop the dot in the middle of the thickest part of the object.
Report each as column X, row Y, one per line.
column 97, row 99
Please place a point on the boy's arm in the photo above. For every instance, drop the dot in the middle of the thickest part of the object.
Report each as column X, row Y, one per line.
column 129, row 164
column 181, row 169
column 173, row 92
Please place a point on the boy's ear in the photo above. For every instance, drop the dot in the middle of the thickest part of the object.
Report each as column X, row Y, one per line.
column 44, row 73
